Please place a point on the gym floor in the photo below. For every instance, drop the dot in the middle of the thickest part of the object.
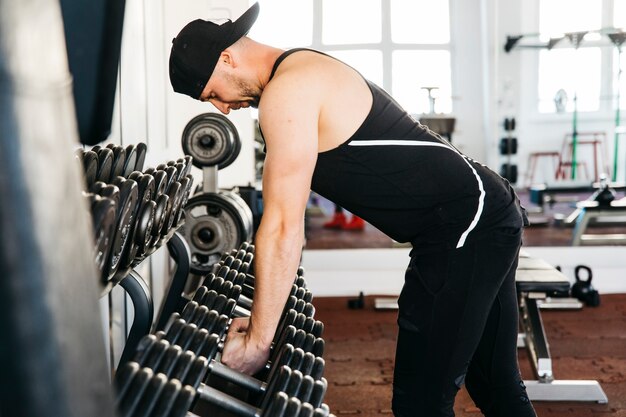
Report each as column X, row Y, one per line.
column 360, row 347
column 585, row 344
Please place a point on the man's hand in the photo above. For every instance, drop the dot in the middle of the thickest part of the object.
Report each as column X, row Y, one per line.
column 241, row 352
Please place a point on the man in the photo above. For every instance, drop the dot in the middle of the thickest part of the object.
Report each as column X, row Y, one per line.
column 328, row 129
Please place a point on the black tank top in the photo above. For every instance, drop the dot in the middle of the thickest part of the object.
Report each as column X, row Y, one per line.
column 411, row 183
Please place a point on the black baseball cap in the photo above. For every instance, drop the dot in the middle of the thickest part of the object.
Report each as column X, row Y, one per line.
column 197, row 48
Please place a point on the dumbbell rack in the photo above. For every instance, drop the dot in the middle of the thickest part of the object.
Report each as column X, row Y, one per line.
column 135, row 212
column 190, row 329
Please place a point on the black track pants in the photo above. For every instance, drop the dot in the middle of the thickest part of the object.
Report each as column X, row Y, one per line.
column 458, row 324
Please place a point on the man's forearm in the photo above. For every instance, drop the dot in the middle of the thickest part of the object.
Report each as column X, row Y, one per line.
column 277, row 257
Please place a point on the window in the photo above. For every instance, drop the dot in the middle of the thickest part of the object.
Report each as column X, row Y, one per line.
column 407, row 25
column 385, row 40
column 577, row 71
column 284, row 23
column 414, row 71
column 351, row 22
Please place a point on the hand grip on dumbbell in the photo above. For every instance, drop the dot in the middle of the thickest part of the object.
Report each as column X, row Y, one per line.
column 295, row 328
column 161, row 355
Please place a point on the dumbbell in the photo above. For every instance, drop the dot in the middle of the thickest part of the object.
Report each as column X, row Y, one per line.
column 215, row 321
column 105, row 163
column 246, row 253
column 294, row 327
column 125, row 194
column 103, row 221
column 146, row 394
column 159, row 352
column 223, row 268
column 142, row 393
column 191, row 369
column 162, row 351
column 307, row 330
column 141, row 230
column 232, row 306
column 164, row 185
column 231, row 286
column 129, row 191
column 119, row 158
column 89, row 161
column 130, row 163
column 246, row 282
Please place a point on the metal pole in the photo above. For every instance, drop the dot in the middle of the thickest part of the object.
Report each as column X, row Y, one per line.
column 617, row 114
column 52, row 356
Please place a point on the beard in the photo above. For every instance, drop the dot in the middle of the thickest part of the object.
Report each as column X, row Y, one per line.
column 253, row 96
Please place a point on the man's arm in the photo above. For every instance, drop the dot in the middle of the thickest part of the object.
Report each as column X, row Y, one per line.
column 289, row 114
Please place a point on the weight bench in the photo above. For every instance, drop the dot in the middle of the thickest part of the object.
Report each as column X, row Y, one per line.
column 536, row 281
column 565, row 191
column 588, row 212
column 539, row 285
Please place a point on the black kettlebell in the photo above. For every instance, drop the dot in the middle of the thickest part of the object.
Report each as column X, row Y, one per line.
column 583, row 290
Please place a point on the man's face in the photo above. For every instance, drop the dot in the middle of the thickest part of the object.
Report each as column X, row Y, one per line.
column 228, row 92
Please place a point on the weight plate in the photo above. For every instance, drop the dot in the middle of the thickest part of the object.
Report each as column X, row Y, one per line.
column 185, row 184
column 176, row 195
column 90, row 167
column 144, row 225
column 160, row 182
column 125, row 218
column 211, row 139
column 188, row 164
column 119, row 158
column 103, row 215
column 159, row 218
column 180, row 170
column 172, row 176
column 213, row 225
column 105, row 164
column 112, row 192
column 131, row 160
column 142, row 148
column 244, row 211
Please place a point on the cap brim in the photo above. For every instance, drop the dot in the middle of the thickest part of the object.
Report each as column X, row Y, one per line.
column 244, row 23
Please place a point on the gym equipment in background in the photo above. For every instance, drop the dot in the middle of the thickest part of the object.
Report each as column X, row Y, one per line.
column 617, row 39
column 215, row 220
column 508, row 148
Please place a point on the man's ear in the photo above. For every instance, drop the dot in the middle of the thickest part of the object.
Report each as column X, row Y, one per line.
column 226, row 58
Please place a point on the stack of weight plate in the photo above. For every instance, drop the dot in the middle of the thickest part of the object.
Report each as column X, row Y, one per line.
column 216, row 220
column 134, row 211
column 177, row 371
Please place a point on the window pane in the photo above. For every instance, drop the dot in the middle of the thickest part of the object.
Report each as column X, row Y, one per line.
column 284, row 23
column 575, row 71
column 561, row 16
column 351, row 21
column 619, row 14
column 368, row 63
column 409, row 25
column 410, row 75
